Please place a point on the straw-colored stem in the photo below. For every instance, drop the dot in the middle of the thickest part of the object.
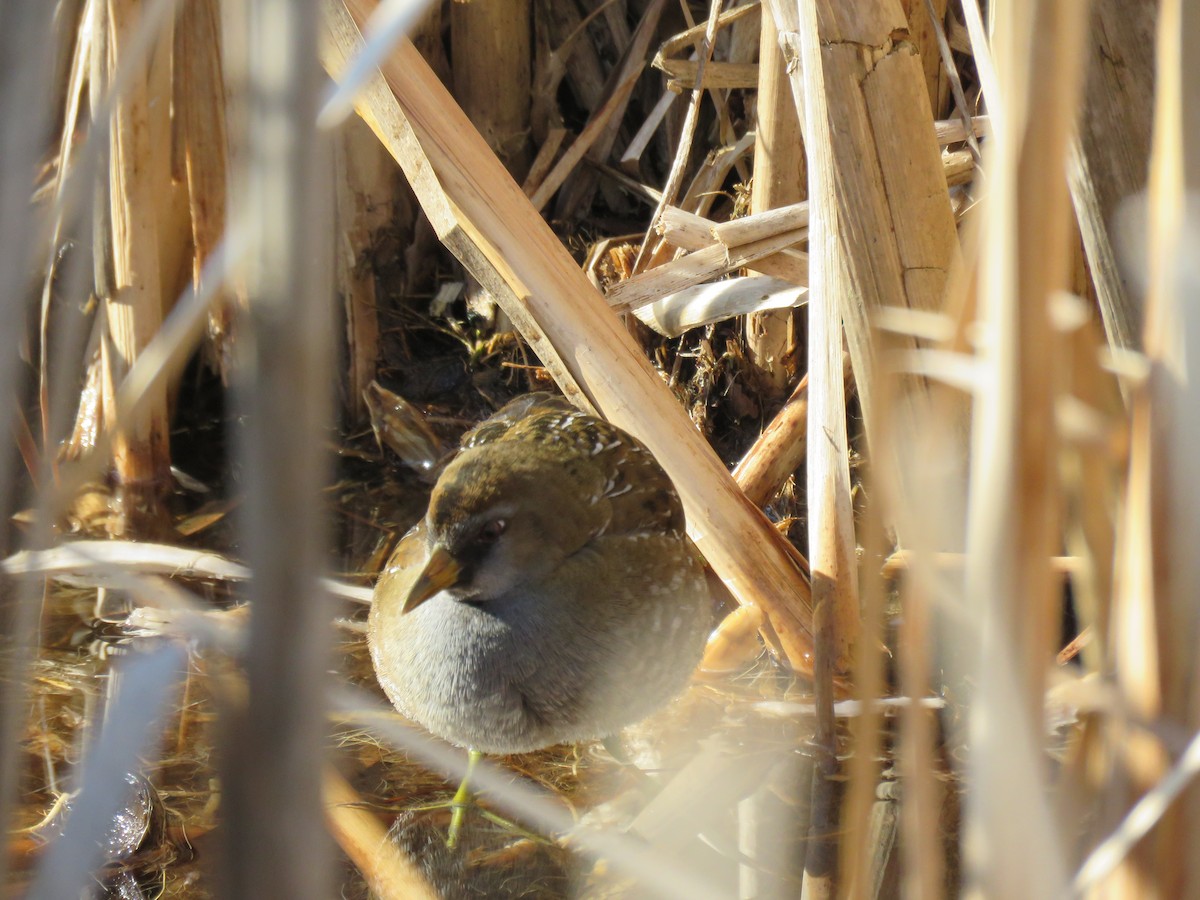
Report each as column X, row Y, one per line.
column 1156, row 613
column 778, row 451
column 391, row 875
column 200, row 107
column 1014, row 521
column 139, row 177
column 778, row 181
column 896, row 230
column 492, row 60
column 922, row 31
column 679, row 165
column 597, row 125
column 1111, row 154
column 366, row 190
column 830, row 520
column 579, row 191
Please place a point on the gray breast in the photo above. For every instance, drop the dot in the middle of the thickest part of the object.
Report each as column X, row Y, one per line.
column 458, row 670
column 519, row 673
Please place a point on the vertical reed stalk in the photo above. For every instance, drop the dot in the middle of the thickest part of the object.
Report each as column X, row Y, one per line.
column 138, row 191
column 274, row 842
column 779, row 180
column 1015, row 520
column 830, row 520
column 1156, row 612
column 200, row 105
column 24, row 106
column 492, row 61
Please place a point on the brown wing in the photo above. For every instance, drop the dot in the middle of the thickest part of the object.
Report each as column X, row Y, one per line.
column 640, row 495
column 638, row 491
column 499, row 423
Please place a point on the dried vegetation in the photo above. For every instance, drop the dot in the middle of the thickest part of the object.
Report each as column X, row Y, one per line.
column 896, row 290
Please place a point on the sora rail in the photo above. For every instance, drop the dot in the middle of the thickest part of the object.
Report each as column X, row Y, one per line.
column 550, row 594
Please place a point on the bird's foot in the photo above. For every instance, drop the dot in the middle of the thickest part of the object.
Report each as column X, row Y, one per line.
column 462, row 799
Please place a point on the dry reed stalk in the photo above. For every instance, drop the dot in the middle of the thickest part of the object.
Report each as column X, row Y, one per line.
column 1015, row 516
column 159, row 363
column 691, row 228
column 139, row 194
column 779, row 180
column 708, row 183
column 24, row 107
column 705, row 265
column 492, row 60
column 608, row 112
column 365, row 194
column 273, row 755
column 921, row 812
column 563, row 53
column 679, row 164
column 689, row 231
column 1093, row 422
column 760, row 225
column 897, row 231
column 72, row 280
column 935, row 19
column 492, row 70
column 831, row 543
column 1109, row 159
column 683, row 74
column 576, row 198
column 684, row 229
column 894, row 224
column 630, row 161
column 200, row 106
column 706, row 304
column 1156, row 613
column 923, row 32
column 920, row 484
column 881, row 190
column 81, row 62
column 546, row 155
column 951, row 131
column 782, row 446
column 483, row 217
column 390, row 874
column 614, row 18
column 981, row 54
column 695, row 35
column 778, row 451
column 903, row 560
column 830, row 518
column 745, row 35
column 63, row 37
column 959, row 167
column 858, row 867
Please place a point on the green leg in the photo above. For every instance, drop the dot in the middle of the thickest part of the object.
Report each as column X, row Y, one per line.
column 462, row 798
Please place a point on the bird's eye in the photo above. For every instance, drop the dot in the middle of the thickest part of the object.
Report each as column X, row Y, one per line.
column 491, row 531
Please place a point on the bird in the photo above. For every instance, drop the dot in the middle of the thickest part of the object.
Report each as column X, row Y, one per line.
column 549, row 595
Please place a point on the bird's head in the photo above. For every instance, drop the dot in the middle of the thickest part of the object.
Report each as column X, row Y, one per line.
column 501, row 515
